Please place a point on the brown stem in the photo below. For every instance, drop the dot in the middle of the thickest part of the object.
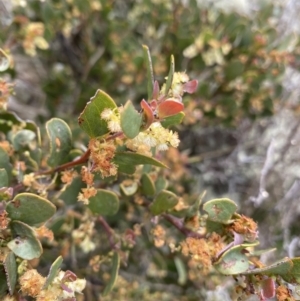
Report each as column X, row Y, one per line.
column 177, row 223
column 83, row 159
column 109, row 232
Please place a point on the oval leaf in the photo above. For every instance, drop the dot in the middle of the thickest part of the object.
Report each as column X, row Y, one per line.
column 54, row 269
column 105, row 202
column 164, row 201
column 30, row 209
column 90, row 118
column 60, row 141
column 114, row 274
column 169, row 108
column 233, row 261
column 25, row 244
column 131, row 120
column 220, row 210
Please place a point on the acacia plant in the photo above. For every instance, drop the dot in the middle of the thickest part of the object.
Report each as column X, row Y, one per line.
column 64, row 202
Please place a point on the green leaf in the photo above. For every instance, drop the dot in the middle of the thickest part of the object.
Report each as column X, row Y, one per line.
column 160, row 184
column 129, row 158
column 131, row 120
column 60, row 141
column 125, row 168
column 164, row 201
column 4, row 61
column 281, row 267
column 90, row 120
column 22, row 139
column 10, row 268
column 234, row 69
column 25, row 244
column 170, row 75
column 54, row 269
column 293, row 276
column 30, row 209
column 3, row 178
column 129, row 188
column 3, row 283
column 148, row 186
column 233, row 261
column 69, row 195
column 150, row 75
column 172, row 120
column 105, row 202
column 10, row 119
column 113, row 275
column 4, row 163
column 181, row 270
column 220, row 210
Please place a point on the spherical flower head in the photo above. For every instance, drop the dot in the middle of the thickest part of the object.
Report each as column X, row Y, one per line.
column 31, row 283
column 112, row 116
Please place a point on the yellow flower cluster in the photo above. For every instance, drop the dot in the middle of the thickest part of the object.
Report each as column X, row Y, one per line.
column 155, row 136
column 32, row 285
column 113, row 119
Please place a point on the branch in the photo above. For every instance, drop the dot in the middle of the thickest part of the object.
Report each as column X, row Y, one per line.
column 177, row 223
column 83, row 159
column 109, row 232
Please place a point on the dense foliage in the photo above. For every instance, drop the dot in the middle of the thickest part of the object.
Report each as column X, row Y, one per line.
column 97, row 202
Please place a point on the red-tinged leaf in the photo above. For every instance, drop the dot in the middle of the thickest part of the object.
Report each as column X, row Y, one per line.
column 191, row 86
column 153, row 105
column 169, row 108
column 155, row 90
column 268, row 288
column 148, row 113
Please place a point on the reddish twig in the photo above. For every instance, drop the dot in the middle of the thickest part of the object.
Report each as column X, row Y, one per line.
column 83, row 159
column 177, row 223
column 109, row 232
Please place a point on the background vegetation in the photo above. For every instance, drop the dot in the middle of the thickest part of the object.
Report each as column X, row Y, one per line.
column 239, row 138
